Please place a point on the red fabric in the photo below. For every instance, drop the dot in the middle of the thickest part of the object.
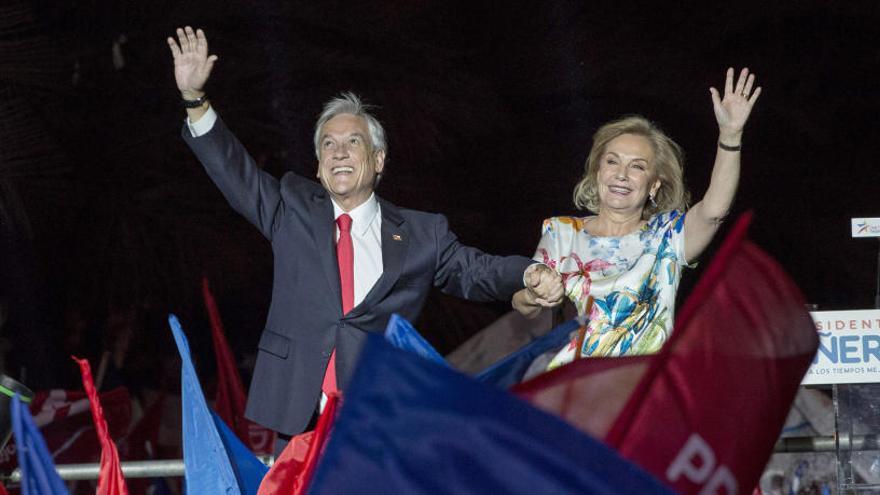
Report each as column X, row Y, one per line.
column 110, row 479
column 142, row 443
column 345, row 258
column 63, row 419
column 231, row 398
column 601, row 386
column 293, row 470
column 704, row 413
column 705, row 417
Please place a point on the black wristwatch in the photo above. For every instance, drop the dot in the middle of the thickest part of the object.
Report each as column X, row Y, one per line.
column 195, row 103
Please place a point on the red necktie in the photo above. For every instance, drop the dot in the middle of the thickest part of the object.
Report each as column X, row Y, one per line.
column 345, row 258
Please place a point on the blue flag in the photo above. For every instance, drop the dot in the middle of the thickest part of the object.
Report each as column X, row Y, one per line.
column 411, row 426
column 38, row 473
column 209, row 467
column 402, row 335
column 248, row 469
column 505, row 373
column 510, row 370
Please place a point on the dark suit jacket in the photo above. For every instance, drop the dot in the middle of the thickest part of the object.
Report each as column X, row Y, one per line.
column 305, row 318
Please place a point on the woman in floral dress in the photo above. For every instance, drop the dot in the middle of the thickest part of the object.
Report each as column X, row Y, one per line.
column 621, row 267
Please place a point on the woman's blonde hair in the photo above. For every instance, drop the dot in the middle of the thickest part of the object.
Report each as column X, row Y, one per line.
column 668, row 161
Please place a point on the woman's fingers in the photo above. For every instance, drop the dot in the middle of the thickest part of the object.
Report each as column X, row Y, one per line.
column 728, row 81
column 748, row 88
column 741, row 81
column 716, row 98
column 755, row 95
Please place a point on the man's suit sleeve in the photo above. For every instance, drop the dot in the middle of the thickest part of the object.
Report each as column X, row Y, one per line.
column 252, row 192
column 467, row 272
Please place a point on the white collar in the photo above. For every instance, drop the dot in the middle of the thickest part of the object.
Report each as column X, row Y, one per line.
column 362, row 215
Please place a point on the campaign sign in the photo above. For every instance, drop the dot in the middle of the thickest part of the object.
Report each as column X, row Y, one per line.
column 849, row 348
column 866, row 227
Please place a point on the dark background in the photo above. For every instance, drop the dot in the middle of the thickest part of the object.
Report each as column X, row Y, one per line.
column 489, row 107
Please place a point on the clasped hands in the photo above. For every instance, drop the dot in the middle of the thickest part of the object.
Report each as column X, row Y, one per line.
column 544, row 286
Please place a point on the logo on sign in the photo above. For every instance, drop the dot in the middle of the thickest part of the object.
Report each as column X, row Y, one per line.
column 865, row 227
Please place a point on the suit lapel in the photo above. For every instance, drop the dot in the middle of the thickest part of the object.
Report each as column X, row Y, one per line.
column 395, row 243
column 324, row 233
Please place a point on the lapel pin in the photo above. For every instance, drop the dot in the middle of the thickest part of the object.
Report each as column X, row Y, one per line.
column 396, row 237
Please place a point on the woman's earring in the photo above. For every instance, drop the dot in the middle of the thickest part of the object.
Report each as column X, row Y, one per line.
column 651, row 199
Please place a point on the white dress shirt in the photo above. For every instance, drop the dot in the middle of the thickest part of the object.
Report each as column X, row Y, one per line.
column 366, row 239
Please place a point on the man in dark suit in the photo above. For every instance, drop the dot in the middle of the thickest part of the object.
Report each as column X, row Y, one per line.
column 322, row 308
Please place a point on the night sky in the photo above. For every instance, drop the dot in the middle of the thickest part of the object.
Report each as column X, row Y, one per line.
column 489, row 109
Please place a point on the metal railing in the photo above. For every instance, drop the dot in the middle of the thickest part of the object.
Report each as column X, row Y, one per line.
column 170, row 468
column 166, row 468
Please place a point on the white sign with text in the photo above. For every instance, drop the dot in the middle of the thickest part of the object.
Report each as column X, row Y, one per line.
column 849, row 348
column 865, row 227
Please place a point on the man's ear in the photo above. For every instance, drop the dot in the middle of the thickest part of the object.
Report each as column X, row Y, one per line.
column 380, row 161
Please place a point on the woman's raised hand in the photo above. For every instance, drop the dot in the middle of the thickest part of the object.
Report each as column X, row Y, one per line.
column 733, row 109
column 192, row 65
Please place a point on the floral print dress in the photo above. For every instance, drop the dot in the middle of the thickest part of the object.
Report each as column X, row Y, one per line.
column 632, row 281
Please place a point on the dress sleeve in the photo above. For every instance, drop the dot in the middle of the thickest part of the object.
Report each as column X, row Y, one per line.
column 549, row 250
column 675, row 236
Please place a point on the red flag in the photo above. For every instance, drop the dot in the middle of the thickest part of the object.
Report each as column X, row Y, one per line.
column 293, row 470
column 110, row 480
column 601, row 386
column 704, row 413
column 230, row 399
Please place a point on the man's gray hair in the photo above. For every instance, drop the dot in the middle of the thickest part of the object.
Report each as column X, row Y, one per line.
column 350, row 103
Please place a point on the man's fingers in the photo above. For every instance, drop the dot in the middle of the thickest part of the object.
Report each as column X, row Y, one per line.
column 190, row 36
column 175, row 50
column 534, row 279
column 182, row 40
column 547, row 303
column 201, row 41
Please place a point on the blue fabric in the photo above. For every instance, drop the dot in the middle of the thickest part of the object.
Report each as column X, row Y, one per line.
column 206, row 462
column 411, row 426
column 402, row 335
column 248, row 469
column 510, row 370
column 38, row 473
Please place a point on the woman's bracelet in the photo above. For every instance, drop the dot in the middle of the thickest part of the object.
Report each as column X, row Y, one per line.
column 727, row 147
